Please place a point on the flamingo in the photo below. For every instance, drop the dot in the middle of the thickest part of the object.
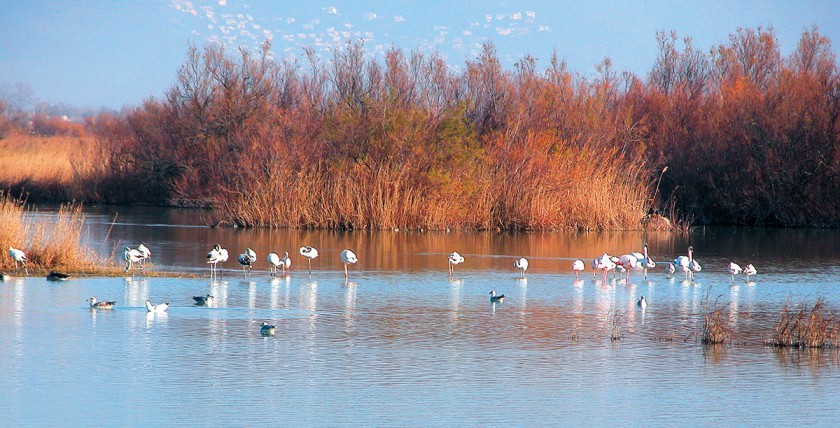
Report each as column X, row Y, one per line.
column 267, row 329
column 629, row 262
column 348, row 257
column 273, row 263
column 247, row 259
column 18, row 256
column 521, row 264
column 132, row 256
column 494, row 298
column 749, row 270
column 94, row 304
column 687, row 264
column 578, row 267
column 158, row 309
column 642, row 303
column 310, row 253
column 645, row 262
column 605, row 264
column 286, row 263
column 671, row 269
column 215, row 256
column 145, row 251
column 734, row 269
column 454, row 259
column 204, row 300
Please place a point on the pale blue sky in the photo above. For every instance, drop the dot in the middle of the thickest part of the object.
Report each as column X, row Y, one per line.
column 105, row 53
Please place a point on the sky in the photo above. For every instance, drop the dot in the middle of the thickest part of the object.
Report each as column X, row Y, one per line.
column 114, row 54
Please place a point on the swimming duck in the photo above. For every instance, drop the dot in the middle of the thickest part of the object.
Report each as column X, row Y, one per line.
column 94, row 304
column 494, row 298
column 267, row 329
column 159, row 308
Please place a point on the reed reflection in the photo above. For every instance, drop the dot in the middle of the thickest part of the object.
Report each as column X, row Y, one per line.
column 136, row 291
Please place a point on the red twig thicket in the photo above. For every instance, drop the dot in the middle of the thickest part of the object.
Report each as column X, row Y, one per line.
column 405, row 142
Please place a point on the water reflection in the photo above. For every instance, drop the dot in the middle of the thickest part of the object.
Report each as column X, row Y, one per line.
column 136, row 291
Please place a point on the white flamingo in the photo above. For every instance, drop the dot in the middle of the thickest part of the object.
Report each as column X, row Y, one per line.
column 454, row 259
column 629, row 262
column 247, row 259
column 749, row 270
column 578, row 266
column 671, row 269
column 605, row 264
column 19, row 257
column 734, row 269
column 310, row 253
column 158, row 309
column 132, row 256
column 145, row 251
column 273, row 263
column 215, row 256
column 348, row 257
column 645, row 262
column 285, row 263
column 521, row 264
column 687, row 264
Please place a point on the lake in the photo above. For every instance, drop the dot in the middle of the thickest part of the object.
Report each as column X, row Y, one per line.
column 401, row 343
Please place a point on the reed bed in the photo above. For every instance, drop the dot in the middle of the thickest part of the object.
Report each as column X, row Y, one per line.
column 49, row 244
column 716, row 328
column 811, row 326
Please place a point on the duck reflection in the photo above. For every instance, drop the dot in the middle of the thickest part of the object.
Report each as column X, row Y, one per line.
column 153, row 318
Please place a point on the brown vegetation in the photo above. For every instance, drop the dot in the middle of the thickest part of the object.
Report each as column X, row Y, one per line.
column 748, row 137
column 808, row 327
column 53, row 243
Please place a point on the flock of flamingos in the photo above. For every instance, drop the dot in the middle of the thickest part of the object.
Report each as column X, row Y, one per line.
column 623, row 264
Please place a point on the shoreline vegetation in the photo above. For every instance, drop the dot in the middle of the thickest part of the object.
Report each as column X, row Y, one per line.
column 736, row 134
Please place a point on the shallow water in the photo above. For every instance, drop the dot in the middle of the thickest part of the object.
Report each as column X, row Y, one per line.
column 401, row 343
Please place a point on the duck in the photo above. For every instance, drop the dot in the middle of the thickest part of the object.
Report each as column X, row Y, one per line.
column 204, row 300
column 267, row 329
column 496, row 298
column 642, row 303
column 94, row 304
column 57, row 276
column 159, row 308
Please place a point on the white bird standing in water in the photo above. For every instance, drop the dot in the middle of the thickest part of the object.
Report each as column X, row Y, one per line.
column 645, row 262
column 273, row 263
column 146, row 252
column 734, row 269
column 671, row 269
column 310, row 253
column 132, row 256
column 749, row 270
column 687, row 264
column 286, row 263
column 629, row 262
column 521, row 264
column 247, row 259
column 215, row 256
column 19, row 257
column 454, row 259
column 605, row 263
column 578, row 266
column 348, row 257
column 158, row 309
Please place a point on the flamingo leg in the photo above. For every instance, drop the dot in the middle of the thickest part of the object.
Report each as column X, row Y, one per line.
column 346, row 275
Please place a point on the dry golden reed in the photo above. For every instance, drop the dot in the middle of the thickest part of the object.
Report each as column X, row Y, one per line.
column 808, row 327
column 50, row 243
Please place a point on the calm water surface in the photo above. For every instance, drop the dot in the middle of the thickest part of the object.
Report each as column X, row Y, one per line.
column 400, row 343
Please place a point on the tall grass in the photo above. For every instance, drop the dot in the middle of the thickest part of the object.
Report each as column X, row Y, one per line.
column 807, row 327
column 49, row 244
